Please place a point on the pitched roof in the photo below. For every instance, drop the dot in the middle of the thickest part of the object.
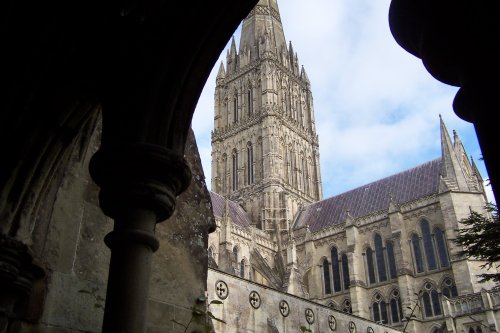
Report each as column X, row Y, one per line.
column 236, row 213
column 403, row 187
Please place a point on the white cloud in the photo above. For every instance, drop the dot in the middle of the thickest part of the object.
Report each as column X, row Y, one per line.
column 377, row 108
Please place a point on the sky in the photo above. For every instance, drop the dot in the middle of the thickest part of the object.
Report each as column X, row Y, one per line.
column 376, row 107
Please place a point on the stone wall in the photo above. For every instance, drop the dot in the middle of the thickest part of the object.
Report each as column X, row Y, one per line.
column 71, row 249
column 250, row 307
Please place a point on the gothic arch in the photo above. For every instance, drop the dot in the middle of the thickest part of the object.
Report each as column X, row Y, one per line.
column 332, row 305
column 435, row 328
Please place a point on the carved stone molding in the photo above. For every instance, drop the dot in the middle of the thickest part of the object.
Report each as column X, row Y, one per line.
column 18, row 273
column 139, row 175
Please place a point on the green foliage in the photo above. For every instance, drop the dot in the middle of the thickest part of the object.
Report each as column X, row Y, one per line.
column 305, row 329
column 480, row 239
column 202, row 315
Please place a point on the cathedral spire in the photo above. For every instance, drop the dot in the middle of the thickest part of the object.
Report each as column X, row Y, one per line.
column 265, row 17
column 221, row 75
column 303, row 76
column 451, row 168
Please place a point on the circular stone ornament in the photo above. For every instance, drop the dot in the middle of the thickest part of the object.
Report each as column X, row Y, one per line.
column 284, row 308
column 309, row 313
column 332, row 322
column 221, row 289
column 254, row 299
column 352, row 327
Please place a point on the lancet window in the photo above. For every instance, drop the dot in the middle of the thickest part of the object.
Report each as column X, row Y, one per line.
column 380, row 264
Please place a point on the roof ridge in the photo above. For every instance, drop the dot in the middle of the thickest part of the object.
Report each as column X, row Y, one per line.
column 379, row 180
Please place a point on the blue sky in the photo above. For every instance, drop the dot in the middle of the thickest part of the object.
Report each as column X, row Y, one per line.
column 377, row 108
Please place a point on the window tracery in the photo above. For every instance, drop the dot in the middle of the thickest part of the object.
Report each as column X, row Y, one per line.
column 431, row 301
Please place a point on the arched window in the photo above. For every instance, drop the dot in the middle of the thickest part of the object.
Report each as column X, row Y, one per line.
column 396, row 309
column 326, row 276
column 370, row 265
column 235, row 252
column 417, row 253
column 250, row 177
column 428, row 245
column 379, row 310
column 285, row 103
column 235, row 170
column 242, row 268
column 471, row 330
column 448, row 288
column 346, row 306
column 381, row 262
column 250, row 101
column 379, row 254
column 479, row 330
column 345, row 271
column 235, row 106
column 336, row 270
column 224, row 174
column 303, row 166
column 210, row 252
column 441, row 248
column 431, row 302
column 391, row 260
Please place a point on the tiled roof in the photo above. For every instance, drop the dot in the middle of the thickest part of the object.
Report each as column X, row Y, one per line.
column 406, row 186
column 236, row 213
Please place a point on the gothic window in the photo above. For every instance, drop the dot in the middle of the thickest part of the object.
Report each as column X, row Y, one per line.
column 370, row 265
column 293, row 167
column 441, row 248
column 345, row 271
column 235, row 170
column 379, row 254
column 285, row 102
column 396, row 309
column 260, row 160
column 479, row 330
column 250, row 101
column 235, row 252
column 380, row 263
column 347, row 306
column 431, row 302
column 289, row 166
column 428, row 245
column 391, row 260
column 304, row 178
column 417, row 253
column 326, row 277
column 250, row 177
column 235, row 110
column 448, row 288
column 224, row 174
column 336, row 270
column 379, row 310
column 242, row 268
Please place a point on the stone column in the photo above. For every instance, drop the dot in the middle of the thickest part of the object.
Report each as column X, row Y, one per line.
column 139, row 184
column 357, row 273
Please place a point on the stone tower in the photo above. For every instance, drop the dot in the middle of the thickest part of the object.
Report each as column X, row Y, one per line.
column 264, row 145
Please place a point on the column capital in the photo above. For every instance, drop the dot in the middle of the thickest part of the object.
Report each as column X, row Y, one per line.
column 139, row 175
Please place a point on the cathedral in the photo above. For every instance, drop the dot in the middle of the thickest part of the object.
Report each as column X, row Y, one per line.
column 382, row 252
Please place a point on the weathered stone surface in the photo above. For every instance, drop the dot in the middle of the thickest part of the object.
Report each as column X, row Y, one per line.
column 74, row 303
